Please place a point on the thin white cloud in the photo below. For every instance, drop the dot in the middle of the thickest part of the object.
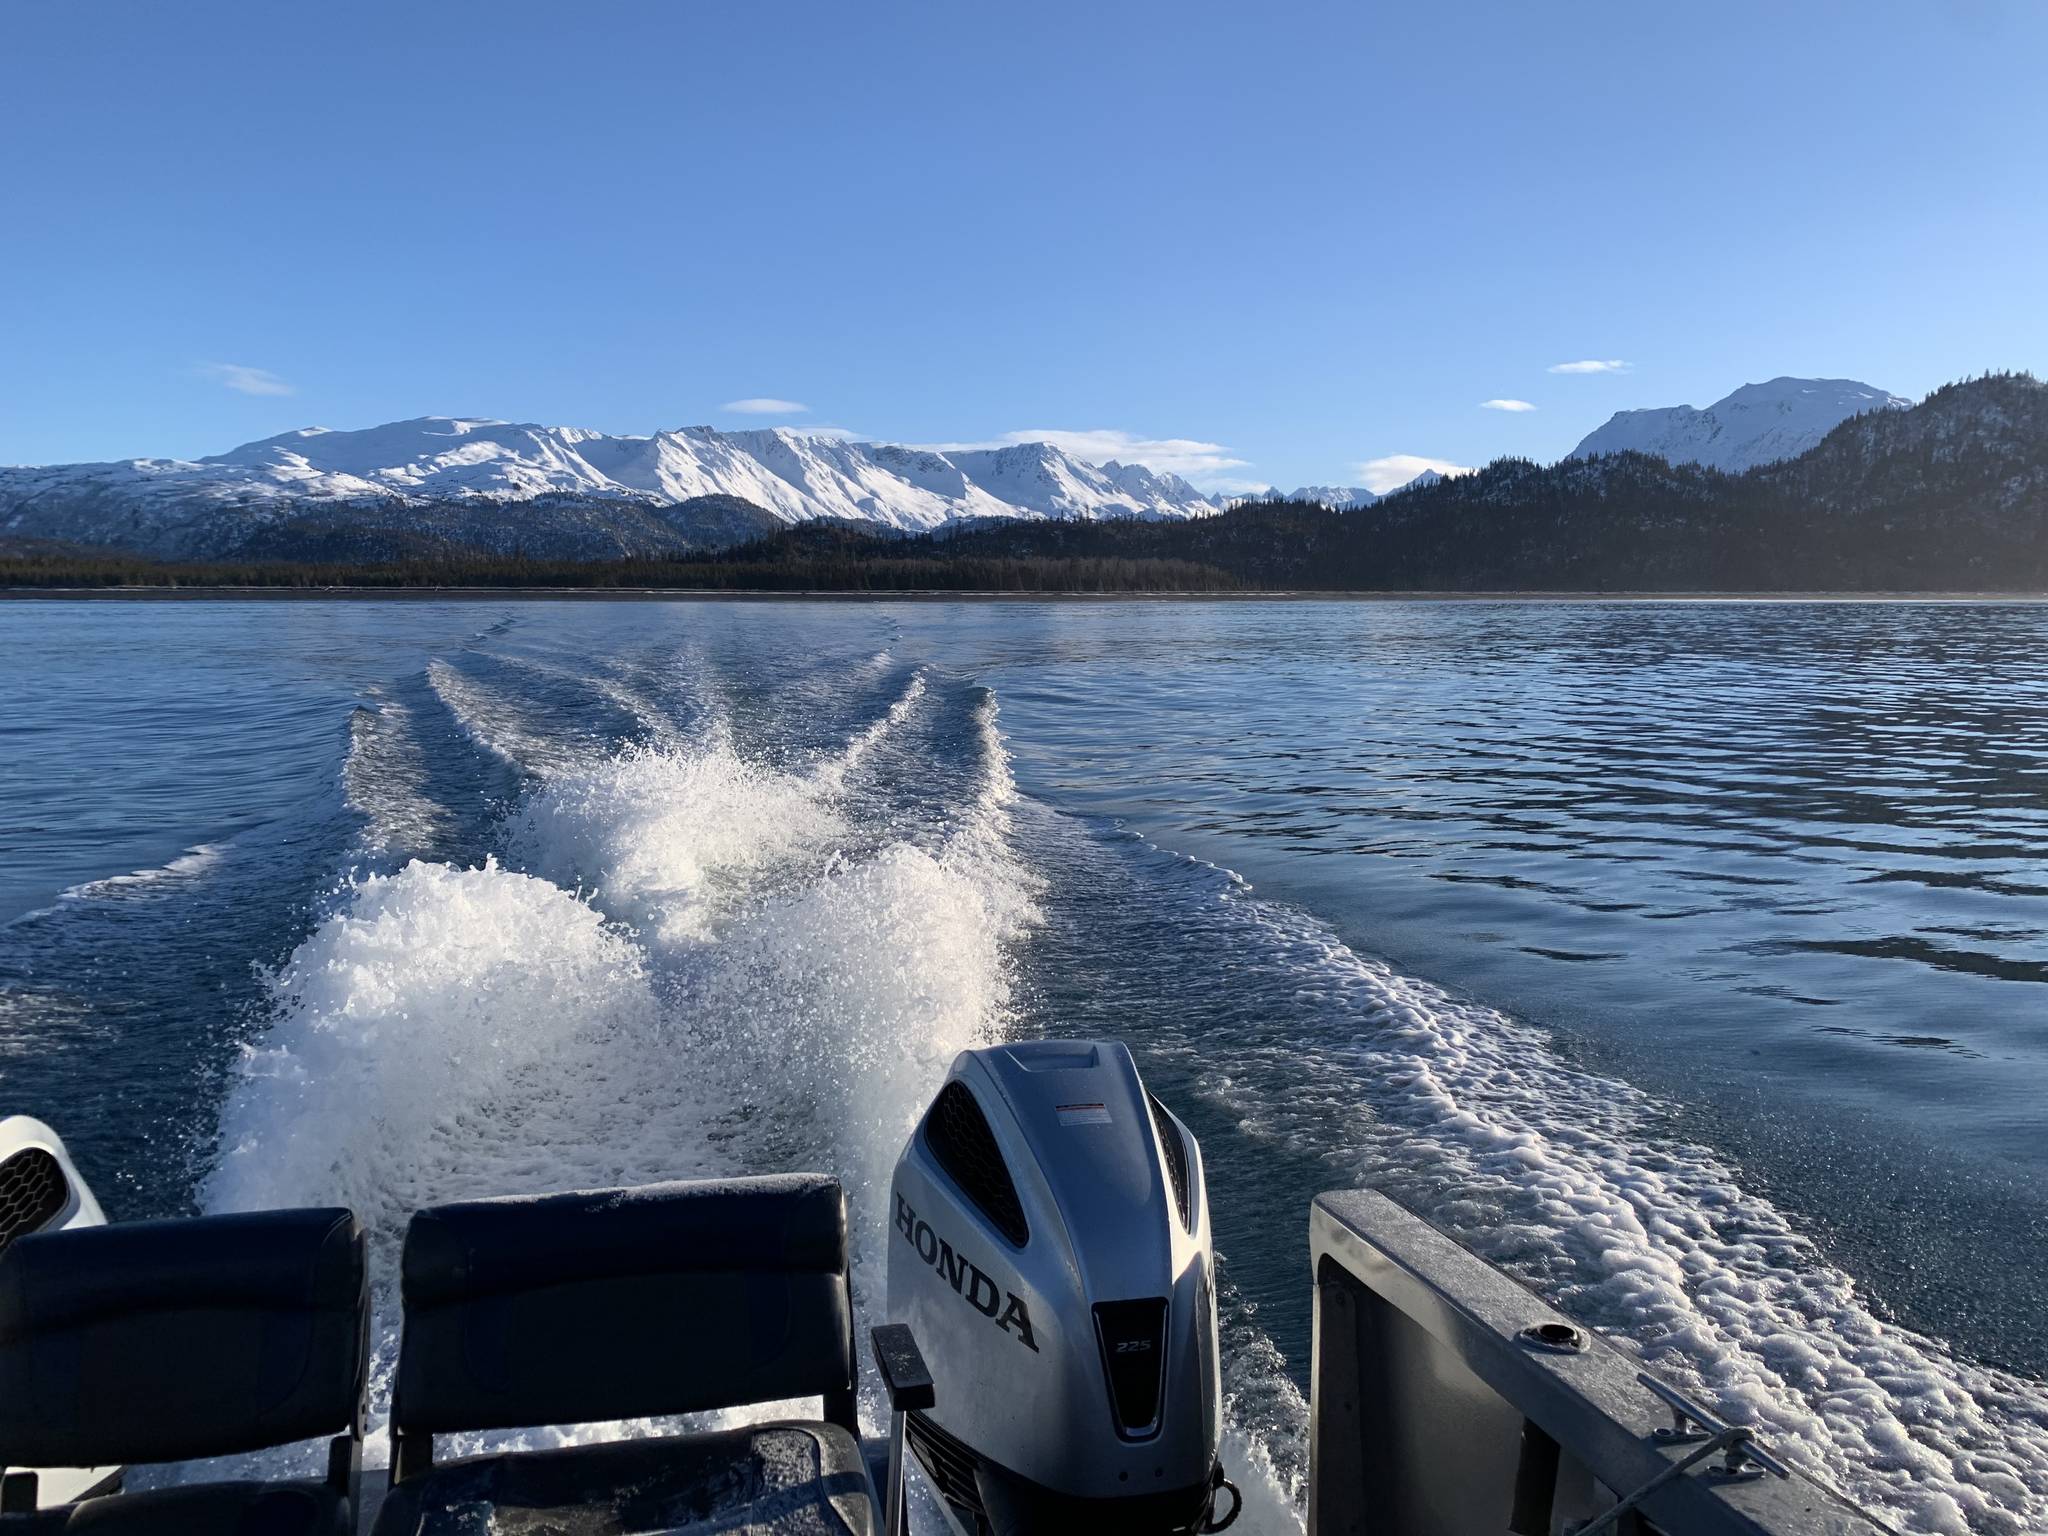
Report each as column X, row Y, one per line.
column 1593, row 365
column 1397, row 469
column 245, row 380
column 1184, row 456
column 765, row 405
column 1506, row 405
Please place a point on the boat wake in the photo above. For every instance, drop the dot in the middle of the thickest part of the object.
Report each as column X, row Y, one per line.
column 679, row 959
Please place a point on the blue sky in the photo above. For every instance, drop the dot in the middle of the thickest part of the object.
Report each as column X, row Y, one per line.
column 1267, row 242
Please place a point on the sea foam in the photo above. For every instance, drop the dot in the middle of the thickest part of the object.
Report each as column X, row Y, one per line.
column 689, row 964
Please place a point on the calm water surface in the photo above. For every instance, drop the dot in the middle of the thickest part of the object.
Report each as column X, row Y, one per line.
column 1687, row 959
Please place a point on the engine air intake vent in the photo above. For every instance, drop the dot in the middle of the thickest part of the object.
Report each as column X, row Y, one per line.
column 1176, row 1161
column 949, row 1464
column 1133, row 1335
column 957, row 1132
column 32, row 1193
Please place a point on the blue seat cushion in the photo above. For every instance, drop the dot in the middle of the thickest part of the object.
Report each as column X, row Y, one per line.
column 597, row 1305
column 152, row 1341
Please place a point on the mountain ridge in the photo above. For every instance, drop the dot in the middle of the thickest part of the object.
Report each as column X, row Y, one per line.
column 438, row 484
column 225, row 502
column 1948, row 496
column 1749, row 426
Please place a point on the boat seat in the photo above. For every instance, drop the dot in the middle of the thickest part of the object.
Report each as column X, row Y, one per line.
column 208, row 1509
column 618, row 1304
column 160, row 1341
column 775, row 1479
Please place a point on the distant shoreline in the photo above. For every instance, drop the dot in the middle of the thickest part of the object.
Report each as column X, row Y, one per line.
column 930, row 595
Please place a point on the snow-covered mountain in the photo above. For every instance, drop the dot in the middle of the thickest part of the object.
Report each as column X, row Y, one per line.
column 184, row 506
column 1757, row 424
column 1427, row 477
column 1344, row 498
column 1341, row 498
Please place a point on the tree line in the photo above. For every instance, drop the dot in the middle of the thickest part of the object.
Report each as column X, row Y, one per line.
column 757, row 568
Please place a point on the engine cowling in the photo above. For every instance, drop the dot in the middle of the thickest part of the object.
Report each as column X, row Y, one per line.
column 1051, row 1252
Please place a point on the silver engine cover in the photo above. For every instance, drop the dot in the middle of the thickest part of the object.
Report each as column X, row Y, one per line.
column 1051, row 1253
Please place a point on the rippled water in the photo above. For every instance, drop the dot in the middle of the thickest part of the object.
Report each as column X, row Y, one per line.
column 1684, row 958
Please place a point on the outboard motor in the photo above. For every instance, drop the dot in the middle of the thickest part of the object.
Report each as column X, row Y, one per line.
column 1051, row 1253
column 41, row 1191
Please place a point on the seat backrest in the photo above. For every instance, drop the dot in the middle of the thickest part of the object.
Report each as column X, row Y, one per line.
column 625, row 1303
column 167, row 1340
